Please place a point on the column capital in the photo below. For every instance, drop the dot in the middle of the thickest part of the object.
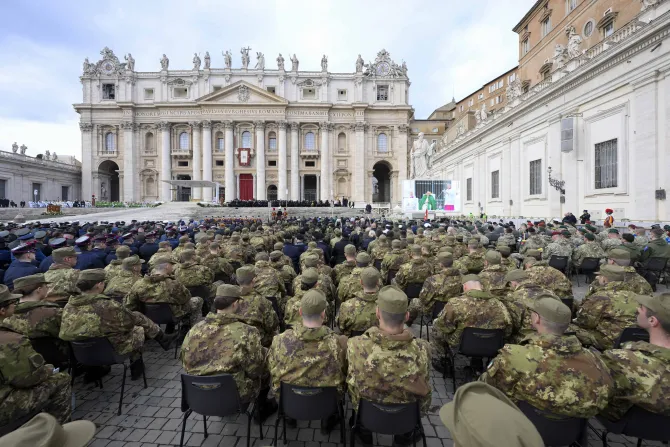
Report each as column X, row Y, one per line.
column 282, row 124
column 228, row 125
column 325, row 125
column 403, row 128
column 259, row 125
column 206, row 124
column 295, row 126
column 361, row 126
column 163, row 125
column 127, row 125
column 195, row 125
column 85, row 127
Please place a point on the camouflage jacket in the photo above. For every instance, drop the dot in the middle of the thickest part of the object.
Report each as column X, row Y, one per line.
column 516, row 301
column 258, row 242
column 350, row 285
column 159, row 254
column 552, row 373
column 417, row 270
column 605, row 314
column 533, row 243
column 177, row 251
column 325, row 284
column 62, row 282
column 558, row 248
column 475, row 308
column 509, row 264
column 389, row 369
column 121, row 284
column 285, row 271
column 641, row 241
column 219, row 266
column 392, row 261
column 36, row 319
column 223, row 343
column 193, row 274
column 609, row 244
column 268, row 281
column 641, row 373
column 257, row 311
column 548, row 277
column 507, row 239
column 88, row 316
column 589, row 249
column 358, row 313
column 159, row 289
column 292, row 310
column 344, row 269
column 443, row 286
column 471, row 263
column 235, row 253
column 113, row 269
column 493, row 279
column 379, row 251
column 311, row 357
column 632, row 281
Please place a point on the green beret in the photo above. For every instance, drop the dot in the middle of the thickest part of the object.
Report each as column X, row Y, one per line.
column 590, row 236
column 313, row 302
column 612, row 272
column 392, row 300
column 551, row 309
column 566, row 233
column 493, row 257
column 229, row 291
column 468, row 278
column 27, row 281
column 516, row 275
column 350, row 249
column 363, row 258
column 246, row 273
column 97, row 275
column 309, row 276
column 591, row 228
column 613, row 231
column 615, row 253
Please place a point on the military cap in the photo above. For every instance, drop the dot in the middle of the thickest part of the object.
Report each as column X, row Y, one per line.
column 382, row 238
column 184, row 239
column 396, row 244
column 473, row 242
column 235, row 238
column 127, row 235
column 618, row 253
column 504, row 250
column 468, row 278
column 311, row 244
column 22, row 232
column 613, row 231
column 416, row 249
column 97, row 275
column 278, row 245
column 27, row 281
column 275, row 255
column 659, row 304
column 132, row 260
column 40, row 234
column 309, row 276
column 516, row 275
column 392, row 300
column 187, row 255
column 44, row 430
column 363, row 258
column 493, row 257
column 370, row 276
column 483, row 416
column 590, row 236
column 6, row 295
column 533, row 253
column 566, row 233
column 64, row 252
column 246, row 273
column 4, row 234
column 57, row 242
column 446, row 248
column 164, row 259
column 150, row 234
column 311, row 261
column 229, row 291
column 444, row 256
column 313, row 302
column 612, row 272
column 84, row 240
column 590, row 228
column 262, row 256
column 22, row 249
column 550, row 309
column 338, row 232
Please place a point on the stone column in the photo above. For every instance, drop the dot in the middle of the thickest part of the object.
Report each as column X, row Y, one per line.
column 129, row 164
column 296, row 190
column 229, row 161
column 254, row 179
column 301, row 195
column 207, row 159
column 86, row 161
column 281, row 145
column 359, row 165
column 260, row 191
column 318, row 187
column 325, row 161
column 196, row 192
column 166, row 162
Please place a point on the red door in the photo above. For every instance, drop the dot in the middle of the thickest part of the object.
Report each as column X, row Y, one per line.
column 246, row 187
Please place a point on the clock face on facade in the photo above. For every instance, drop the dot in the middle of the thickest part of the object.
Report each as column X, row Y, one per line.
column 383, row 68
column 107, row 67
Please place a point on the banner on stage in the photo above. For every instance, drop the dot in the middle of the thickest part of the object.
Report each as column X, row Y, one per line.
column 444, row 195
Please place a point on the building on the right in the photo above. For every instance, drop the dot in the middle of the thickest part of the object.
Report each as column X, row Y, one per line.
column 586, row 120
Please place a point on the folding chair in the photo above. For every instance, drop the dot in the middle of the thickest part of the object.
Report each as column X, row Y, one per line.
column 633, row 333
column 18, row 422
column 51, row 349
column 213, row 396
column 388, row 419
column 161, row 313
column 588, row 268
column 653, row 271
column 560, row 263
column 637, row 423
column 99, row 351
column 309, row 404
column 437, row 308
column 555, row 430
column 475, row 343
column 413, row 289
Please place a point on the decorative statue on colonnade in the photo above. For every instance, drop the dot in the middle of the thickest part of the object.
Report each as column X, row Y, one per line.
column 420, row 157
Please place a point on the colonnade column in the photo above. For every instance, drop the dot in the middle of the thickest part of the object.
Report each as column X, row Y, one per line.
column 166, row 162
column 207, row 159
column 359, row 166
column 295, row 163
column 260, row 193
column 196, row 192
column 229, row 161
column 325, row 161
column 129, row 164
column 86, row 162
column 281, row 145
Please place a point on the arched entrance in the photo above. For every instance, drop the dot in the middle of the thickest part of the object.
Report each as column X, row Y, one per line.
column 109, row 181
column 272, row 193
column 381, row 191
column 183, row 192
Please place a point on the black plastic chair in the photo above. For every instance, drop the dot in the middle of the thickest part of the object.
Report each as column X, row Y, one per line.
column 161, row 313
column 475, row 343
column 560, row 263
column 99, row 351
column 555, row 430
column 309, row 404
column 413, row 289
column 653, row 271
column 51, row 349
column 213, row 396
column 390, row 275
column 377, row 264
column 17, row 423
column 568, row 302
column 588, row 267
column 637, row 423
column 388, row 419
column 357, row 333
column 437, row 308
column 289, row 288
column 632, row 333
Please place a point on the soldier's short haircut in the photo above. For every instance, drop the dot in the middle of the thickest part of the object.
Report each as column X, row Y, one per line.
column 628, row 237
column 657, row 233
column 86, row 284
column 665, row 325
column 223, row 302
column 311, row 318
column 393, row 320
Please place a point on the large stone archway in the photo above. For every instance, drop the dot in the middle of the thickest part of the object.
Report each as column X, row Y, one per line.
column 381, row 182
column 108, row 184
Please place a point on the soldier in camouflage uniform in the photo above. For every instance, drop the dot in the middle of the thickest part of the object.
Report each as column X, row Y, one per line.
column 380, row 249
column 613, row 240
column 534, row 242
column 416, row 271
column 473, row 262
column 440, row 287
column 458, row 249
column 312, row 250
column 325, row 282
column 224, row 343
column 607, row 312
column 255, row 309
column 589, row 249
column 628, row 244
column 62, row 276
column 634, row 282
column 92, row 314
column 27, row 384
column 548, row 277
column 257, row 241
column 268, row 282
column 285, row 271
column 161, row 287
column 121, row 284
column 641, row 239
column 114, row 267
column 507, row 238
column 350, row 285
column 197, row 278
column 560, row 246
column 309, row 280
column 493, row 275
column 549, row 360
column 221, row 268
column 344, row 269
column 641, row 370
column 388, row 364
column 183, row 240
column 507, row 261
column 164, row 249
column 279, row 246
column 475, row 308
column 336, row 239
column 358, row 313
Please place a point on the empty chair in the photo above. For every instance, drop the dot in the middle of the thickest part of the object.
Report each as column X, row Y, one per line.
column 309, row 404
column 161, row 313
column 428, row 321
column 213, row 396
column 555, row 430
column 475, row 343
column 388, row 419
column 588, row 268
column 98, row 351
column 560, row 263
column 638, row 423
column 413, row 289
column 633, row 333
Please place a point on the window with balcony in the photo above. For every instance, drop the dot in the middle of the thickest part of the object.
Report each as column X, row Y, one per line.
column 183, row 141
column 219, row 143
column 246, row 139
column 110, row 142
column 310, row 142
column 608, row 29
column 272, row 142
column 382, row 143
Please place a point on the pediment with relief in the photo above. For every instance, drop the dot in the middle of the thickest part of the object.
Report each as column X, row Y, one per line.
column 241, row 92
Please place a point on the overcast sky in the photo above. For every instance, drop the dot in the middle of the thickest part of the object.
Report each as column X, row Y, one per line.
column 451, row 47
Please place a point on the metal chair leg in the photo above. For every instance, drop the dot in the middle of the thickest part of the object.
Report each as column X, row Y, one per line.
column 144, row 373
column 249, row 430
column 123, row 387
column 284, row 428
column 183, row 427
column 204, row 423
column 274, row 443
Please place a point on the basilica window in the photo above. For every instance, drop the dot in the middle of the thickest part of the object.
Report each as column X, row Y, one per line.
column 525, row 47
column 535, row 171
column 382, row 143
column 606, row 164
column 309, row 144
column 219, row 142
column 271, row 89
column 382, row 93
column 108, row 91
column 110, row 142
column 149, row 142
column 246, row 139
column 272, row 142
column 183, row 141
column 468, row 189
column 148, row 93
column 546, row 26
column 495, row 184
column 341, row 142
